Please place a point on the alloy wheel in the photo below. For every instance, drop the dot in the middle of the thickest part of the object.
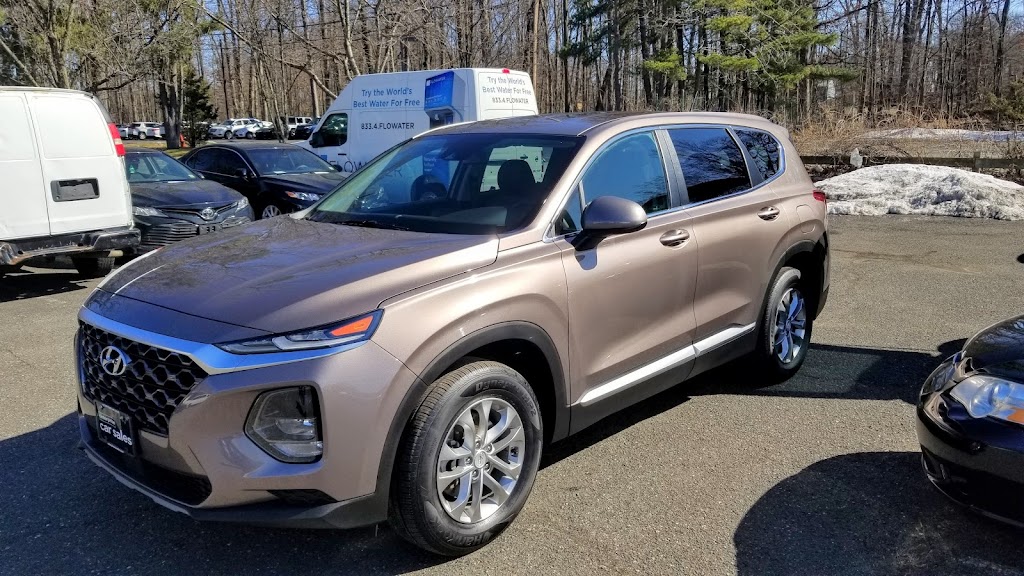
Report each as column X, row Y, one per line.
column 789, row 331
column 479, row 464
column 270, row 211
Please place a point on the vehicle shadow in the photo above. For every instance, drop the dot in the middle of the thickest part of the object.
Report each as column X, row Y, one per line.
column 25, row 284
column 869, row 513
column 63, row 515
column 835, row 372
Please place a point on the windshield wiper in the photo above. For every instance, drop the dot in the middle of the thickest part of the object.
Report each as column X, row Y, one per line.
column 371, row 224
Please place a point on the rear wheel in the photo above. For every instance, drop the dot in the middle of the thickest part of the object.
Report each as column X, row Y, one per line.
column 250, row 135
column 93, row 267
column 468, row 459
column 142, row 135
column 785, row 331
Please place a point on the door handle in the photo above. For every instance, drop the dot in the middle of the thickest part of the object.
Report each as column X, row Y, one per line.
column 674, row 237
column 769, row 213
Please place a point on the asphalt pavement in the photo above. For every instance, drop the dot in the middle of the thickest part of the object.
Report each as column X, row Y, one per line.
column 817, row 476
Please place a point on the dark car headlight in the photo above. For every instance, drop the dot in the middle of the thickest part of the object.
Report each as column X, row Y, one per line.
column 991, row 396
column 350, row 331
column 285, row 423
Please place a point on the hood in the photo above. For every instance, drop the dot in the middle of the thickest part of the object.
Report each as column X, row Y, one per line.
column 182, row 193
column 285, row 274
column 310, row 182
column 999, row 349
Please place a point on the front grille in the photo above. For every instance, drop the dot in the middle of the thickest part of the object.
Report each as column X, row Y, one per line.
column 196, row 211
column 185, row 488
column 153, row 385
column 164, row 234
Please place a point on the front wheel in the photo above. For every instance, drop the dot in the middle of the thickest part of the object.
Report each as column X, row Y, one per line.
column 468, row 459
column 142, row 135
column 272, row 210
column 785, row 331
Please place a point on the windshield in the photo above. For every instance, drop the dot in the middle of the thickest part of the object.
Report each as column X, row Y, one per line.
column 290, row 160
column 453, row 184
column 155, row 167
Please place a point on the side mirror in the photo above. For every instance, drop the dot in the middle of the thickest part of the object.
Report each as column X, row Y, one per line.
column 607, row 216
column 242, row 173
column 316, row 140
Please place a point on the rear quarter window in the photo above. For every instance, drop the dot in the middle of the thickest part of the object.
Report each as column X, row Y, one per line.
column 765, row 151
column 71, row 127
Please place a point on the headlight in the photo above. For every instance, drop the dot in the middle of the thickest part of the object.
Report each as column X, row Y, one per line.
column 345, row 332
column 307, row 196
column 144, row 211
column 990, row 396
column 286, row 424
column 243, row 203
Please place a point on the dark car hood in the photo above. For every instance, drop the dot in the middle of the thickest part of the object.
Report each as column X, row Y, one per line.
column 305, row 182
column 182, row 193
column 285, row 274
column 999, row 349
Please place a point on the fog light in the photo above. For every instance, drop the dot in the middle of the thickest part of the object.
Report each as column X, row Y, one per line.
column 286, row 424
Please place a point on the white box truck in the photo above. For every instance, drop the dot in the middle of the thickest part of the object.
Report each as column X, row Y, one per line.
column 377, row 111
column 62, row 183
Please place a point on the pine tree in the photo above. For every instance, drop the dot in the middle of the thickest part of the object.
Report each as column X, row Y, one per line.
column 197, row 109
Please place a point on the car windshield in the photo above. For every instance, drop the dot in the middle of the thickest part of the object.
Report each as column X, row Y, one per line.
column 155, row 167
column 453, row 184
column 290, row 160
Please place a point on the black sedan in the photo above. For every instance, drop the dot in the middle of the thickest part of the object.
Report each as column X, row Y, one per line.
column 971, row 423
column 276, row 178
column 172, row 203
column 303, row 131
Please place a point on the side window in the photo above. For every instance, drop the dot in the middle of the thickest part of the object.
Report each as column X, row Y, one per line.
column 201, row 160
column 763, row 149
column 632, row 169
column 334, row 131
column 229, row 163
column 570, row 221
column 711, row 161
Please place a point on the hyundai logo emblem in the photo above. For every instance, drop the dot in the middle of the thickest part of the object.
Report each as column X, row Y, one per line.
column 208, row 214
column 113, row 361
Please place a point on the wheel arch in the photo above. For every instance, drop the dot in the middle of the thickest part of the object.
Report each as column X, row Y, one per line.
column 499, row 342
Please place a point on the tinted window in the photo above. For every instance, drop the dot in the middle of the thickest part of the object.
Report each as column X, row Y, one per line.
column 201, row 160
column 763, row 149
column 334, row 131
column 227, row 162
column 712, row 163
column 631, row 168
column 291, row 160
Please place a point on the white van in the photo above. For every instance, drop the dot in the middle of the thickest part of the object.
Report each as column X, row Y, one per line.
column 377, row 111
column 62, row 182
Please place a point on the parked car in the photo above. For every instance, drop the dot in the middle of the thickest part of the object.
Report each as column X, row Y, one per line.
column 143, row 130
column 276, row 178
column 127, row 131
column 970, row 422
column 405, row 348
column 303, row 131
column 293, row 122
column 250, row 130
column 230, row 127
column 64, row 190
column 172, row 203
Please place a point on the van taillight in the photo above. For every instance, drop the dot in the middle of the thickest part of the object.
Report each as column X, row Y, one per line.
column 116, row 135
column 819, row 195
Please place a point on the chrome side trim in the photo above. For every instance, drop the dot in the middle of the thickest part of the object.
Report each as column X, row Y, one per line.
column 208, row 356
column 664, row 364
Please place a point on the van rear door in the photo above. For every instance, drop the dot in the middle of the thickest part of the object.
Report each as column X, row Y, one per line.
column 83, row 176
column 22, row 193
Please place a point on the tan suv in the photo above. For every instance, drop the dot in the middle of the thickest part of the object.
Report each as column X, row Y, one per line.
column 406, row 347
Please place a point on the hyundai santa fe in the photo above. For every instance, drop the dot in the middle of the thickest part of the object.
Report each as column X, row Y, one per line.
column 405, row 348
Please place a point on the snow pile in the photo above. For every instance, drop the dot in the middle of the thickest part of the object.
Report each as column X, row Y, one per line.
column 946, row 134
column 923, row 190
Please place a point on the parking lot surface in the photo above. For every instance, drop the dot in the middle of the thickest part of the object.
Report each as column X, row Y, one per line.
column 819, row 475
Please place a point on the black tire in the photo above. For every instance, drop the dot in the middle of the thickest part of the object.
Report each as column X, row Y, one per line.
column 416, row 510
column 767, row 351
column 93, row 267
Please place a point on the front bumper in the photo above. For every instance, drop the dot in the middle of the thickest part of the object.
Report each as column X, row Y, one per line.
column 205, row 466
column 159, row 231
column 16, row 251
column 976, row 462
